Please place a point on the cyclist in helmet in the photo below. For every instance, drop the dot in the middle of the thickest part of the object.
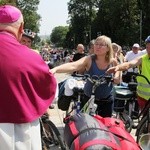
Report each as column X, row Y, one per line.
column 27, row 38
column 143, row 63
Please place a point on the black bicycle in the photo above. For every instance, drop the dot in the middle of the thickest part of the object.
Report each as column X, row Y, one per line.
column 143, row 126
column 124, row 103
column 90, row 106
column 126, row 106
column 50, row 135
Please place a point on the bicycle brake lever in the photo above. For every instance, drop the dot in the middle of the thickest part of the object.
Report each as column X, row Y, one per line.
column 109, row 84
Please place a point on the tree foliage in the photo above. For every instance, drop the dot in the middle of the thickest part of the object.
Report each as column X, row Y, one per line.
column 82, row 13
column 144, row 6
column 125, row 21
column 120, row 20
column 31, row 17
column 58, row 35
column 12, row 2
column 29, row 10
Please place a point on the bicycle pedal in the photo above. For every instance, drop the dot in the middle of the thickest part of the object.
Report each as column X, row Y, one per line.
column 51, row 145
column 134, row 126
column 134, row 117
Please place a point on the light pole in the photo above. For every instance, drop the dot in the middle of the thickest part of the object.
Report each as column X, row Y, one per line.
column 73, row 40
column 140, row 27
column 90, row 33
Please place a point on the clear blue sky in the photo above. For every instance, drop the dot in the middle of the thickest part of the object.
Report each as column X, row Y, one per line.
column 54, row 13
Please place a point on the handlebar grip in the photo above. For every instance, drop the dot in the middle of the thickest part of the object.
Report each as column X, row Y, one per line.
column 77, row 75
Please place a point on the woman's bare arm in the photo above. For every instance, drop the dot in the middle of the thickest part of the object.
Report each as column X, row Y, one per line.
column 72, row 66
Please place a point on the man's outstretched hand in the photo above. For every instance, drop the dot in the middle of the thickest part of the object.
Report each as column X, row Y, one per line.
column 112, row 70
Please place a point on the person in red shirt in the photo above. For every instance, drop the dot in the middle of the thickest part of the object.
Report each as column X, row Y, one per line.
column 27, row 86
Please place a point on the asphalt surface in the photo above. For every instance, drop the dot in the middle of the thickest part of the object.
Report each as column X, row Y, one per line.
column 56, row 115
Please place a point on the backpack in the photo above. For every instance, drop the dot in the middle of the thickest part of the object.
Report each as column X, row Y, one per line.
column 63, row 101
column 117, row 127
column 84, row 132
column 68, row 91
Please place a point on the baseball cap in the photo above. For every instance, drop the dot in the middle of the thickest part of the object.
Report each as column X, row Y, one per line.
column 9, row 14
column 136, row 45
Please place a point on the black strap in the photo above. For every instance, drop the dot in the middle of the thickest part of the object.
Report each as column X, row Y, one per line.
column 84, row 131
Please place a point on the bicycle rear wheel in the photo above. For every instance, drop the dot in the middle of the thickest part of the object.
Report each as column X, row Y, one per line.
column 143, row 128
column 51, row 137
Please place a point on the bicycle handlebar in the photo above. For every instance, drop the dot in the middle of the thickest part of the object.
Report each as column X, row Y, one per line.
column 95, row 78
column 77, row 75
column 100, row 79
column 140, row 75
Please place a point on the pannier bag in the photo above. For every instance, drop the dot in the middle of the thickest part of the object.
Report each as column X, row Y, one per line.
column 84, row 132
column 117, row 127
column 121, row 95
column 63, row 100
column 68, row 91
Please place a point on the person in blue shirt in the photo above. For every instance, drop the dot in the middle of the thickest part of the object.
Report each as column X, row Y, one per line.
column 96, row 64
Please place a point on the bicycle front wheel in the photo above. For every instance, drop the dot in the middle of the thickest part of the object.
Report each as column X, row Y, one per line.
column 51, row 137
column 126, row 120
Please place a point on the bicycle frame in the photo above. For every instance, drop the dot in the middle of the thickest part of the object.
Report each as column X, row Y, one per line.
column 90, row 107
column 144, row 115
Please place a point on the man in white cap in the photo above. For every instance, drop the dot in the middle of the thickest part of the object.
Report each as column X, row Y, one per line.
column 130, row 55
column 27, row 86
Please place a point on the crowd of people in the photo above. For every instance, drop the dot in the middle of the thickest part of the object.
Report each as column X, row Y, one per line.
column 28, row 84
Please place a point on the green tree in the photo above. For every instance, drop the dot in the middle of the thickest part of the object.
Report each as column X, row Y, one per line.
column 82, row 13
column 31, row 17
column 119, row 20
column 58, row 36
column 144, row 6
column 11, row 2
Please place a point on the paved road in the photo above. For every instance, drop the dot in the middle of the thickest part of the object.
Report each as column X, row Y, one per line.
column 57, row 115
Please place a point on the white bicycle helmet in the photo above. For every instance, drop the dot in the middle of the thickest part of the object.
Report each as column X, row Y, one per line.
column 29, row 34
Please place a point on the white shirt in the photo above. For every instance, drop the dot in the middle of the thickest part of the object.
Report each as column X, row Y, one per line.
column 130, row 56
column 144, row 52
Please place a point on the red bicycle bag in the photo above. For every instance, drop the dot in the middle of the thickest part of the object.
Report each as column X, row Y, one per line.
column 116, row 127
column 84, row 132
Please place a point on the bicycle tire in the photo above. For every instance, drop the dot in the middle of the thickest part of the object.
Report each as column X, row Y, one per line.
column 52, row 135
column 127, row 121
column 141, row 128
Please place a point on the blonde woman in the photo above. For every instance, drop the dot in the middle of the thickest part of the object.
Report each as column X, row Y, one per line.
column 117, row 53
column 96, row 64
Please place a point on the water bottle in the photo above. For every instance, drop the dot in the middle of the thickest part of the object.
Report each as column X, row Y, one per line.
column 78, row 106
column 93, row 109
